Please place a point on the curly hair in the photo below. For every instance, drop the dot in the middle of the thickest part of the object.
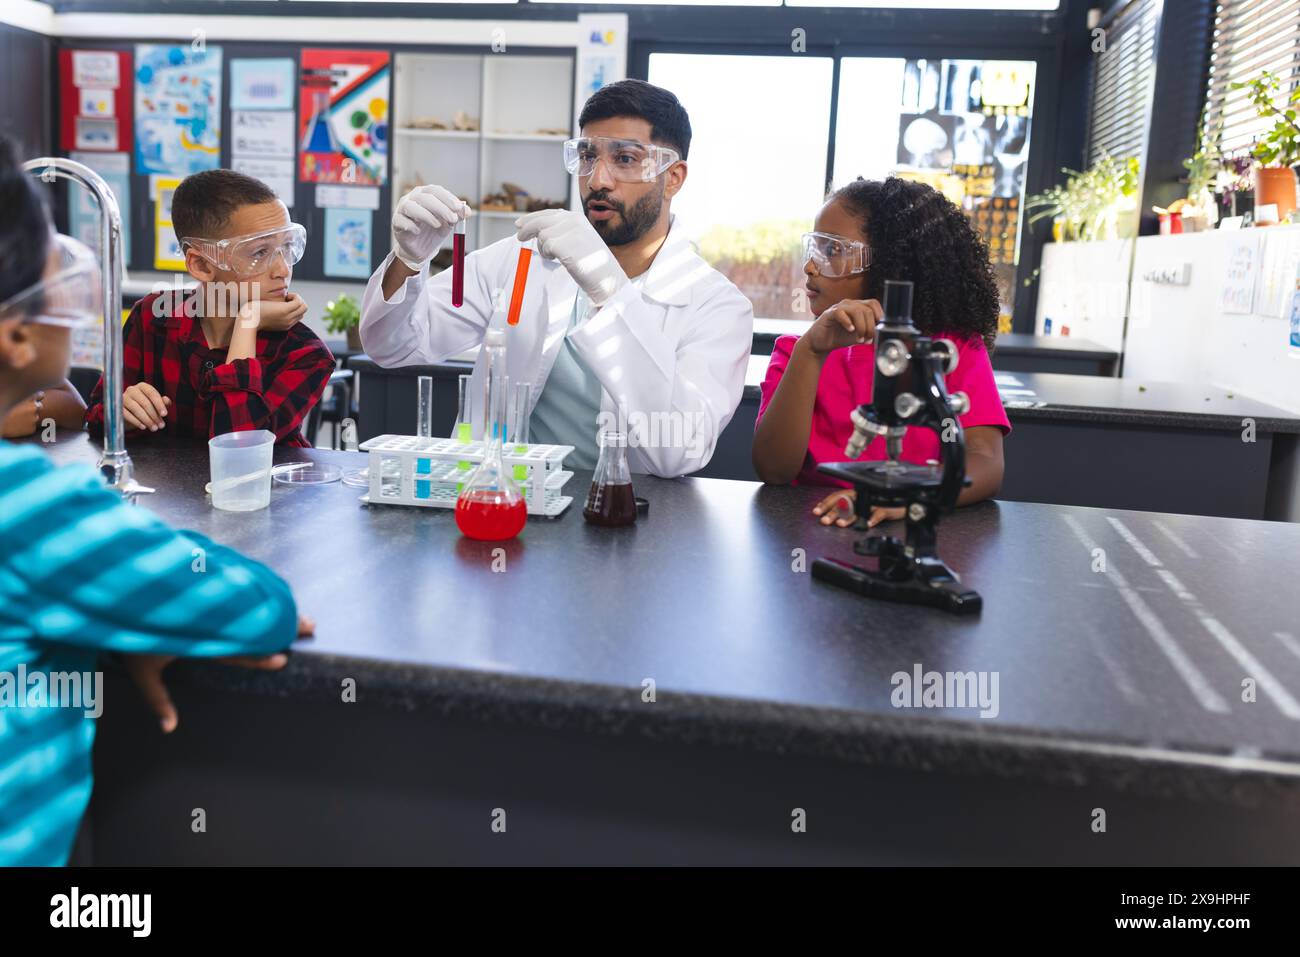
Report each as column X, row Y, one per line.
column 917, row 234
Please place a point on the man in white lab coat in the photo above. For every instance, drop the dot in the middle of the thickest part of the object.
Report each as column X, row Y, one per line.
column 623, row 325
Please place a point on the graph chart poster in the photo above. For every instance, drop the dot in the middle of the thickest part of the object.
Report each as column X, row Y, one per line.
column 177, row 109
column 343, row 117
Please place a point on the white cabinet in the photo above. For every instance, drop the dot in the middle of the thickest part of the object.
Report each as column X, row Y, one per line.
column 1164, row 311
column 1083, row 288
column 1178, row 332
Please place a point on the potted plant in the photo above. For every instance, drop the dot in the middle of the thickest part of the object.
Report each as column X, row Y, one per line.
column 1059, row 204
column 1203, row 167
column 1277, row 151
column 343, row 315
column 1098, row 203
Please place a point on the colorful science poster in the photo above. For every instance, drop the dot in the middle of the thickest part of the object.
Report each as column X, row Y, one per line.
column 167, row 252
column 343, row 117
column 347, row 243
column 94, row 100
column 83, row 210
column 261, row 84
column 177, row 109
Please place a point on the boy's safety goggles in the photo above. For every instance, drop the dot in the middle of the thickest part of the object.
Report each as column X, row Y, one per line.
column 835, row 256
column 252, row 254
column 627, row 160
column 72, row 297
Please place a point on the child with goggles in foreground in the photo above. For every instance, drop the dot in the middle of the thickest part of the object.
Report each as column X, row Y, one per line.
column 231, row 355
column 81, row 571
column 869, row 232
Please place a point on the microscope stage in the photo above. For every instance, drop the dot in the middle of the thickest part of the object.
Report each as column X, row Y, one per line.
column 885, row 474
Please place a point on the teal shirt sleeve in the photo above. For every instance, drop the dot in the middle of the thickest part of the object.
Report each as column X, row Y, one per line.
column 95, row 572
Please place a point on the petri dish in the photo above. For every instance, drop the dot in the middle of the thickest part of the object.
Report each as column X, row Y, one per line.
column 360, row 478
column 357, row 478
column 321, row 473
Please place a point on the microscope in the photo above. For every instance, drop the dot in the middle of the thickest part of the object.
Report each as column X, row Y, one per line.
column 907, row 392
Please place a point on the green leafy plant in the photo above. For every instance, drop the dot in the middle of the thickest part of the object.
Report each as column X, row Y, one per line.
column 1204, row 165
column 342, row 314
column 1096, row 203
column 1280, row 144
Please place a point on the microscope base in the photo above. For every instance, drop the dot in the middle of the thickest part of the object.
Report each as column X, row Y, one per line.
column 918, row 581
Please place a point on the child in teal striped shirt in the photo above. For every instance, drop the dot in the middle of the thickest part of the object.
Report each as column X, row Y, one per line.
column 81, row 572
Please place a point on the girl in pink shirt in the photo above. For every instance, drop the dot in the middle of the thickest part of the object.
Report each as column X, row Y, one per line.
column 869, row 232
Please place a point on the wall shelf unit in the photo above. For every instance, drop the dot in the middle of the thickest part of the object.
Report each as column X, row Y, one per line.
column 519, row 102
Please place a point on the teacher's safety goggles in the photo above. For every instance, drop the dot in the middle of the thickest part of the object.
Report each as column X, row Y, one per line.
column 253, row 253
column 72, row 297
column 628, row 161
column 834, row 256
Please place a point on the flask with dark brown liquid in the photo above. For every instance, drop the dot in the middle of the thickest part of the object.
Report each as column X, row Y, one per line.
column 611, row 502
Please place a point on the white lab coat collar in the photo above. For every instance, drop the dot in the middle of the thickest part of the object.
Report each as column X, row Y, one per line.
column 675, row 267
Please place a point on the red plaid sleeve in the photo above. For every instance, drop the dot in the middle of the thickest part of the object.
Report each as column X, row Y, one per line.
column 274, row 393
column 132, row 368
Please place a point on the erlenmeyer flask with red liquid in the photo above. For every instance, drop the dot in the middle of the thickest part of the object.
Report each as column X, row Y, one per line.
column 610, row 502
column 491, row 508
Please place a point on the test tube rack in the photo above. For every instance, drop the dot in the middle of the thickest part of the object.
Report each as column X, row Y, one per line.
column 429, row 473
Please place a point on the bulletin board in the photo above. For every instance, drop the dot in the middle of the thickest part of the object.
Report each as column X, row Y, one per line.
column 257, row 96
column 254, row 119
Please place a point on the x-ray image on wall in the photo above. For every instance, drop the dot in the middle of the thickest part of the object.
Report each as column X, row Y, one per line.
column 920, row 86
column 960, row 92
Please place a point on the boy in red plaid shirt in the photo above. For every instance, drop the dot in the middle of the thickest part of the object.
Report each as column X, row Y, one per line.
column 233, row 354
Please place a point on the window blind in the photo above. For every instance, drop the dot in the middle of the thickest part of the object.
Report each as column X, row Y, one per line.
column 1123, row 76
column 1250, row 36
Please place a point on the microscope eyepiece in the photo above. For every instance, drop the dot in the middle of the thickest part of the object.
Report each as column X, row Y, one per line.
column 898, row 302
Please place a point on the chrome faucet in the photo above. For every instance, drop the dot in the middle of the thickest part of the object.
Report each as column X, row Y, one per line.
column 115, row 463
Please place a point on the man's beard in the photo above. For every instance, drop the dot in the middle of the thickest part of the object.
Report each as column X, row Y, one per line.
column 634, row 222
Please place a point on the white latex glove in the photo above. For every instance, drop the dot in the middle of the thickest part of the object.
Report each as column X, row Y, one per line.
column 423, row 220
column 568, row 237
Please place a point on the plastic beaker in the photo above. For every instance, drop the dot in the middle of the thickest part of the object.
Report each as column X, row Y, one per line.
column 241, row 470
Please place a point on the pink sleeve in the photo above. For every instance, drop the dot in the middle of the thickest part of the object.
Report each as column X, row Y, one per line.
column 974, row 376
column 775, row 369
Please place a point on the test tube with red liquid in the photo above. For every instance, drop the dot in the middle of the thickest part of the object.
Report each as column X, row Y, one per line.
column 458, row 264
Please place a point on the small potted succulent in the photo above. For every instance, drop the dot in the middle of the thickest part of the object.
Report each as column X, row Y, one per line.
column 1277, row 151
column 343, row 315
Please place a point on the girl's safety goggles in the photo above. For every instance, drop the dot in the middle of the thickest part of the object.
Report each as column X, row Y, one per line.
column 627, row 160
column 72, row 297
column 252, row 254
column 835, row 256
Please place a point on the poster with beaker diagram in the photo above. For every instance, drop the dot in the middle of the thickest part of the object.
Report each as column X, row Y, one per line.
column 343, row 108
